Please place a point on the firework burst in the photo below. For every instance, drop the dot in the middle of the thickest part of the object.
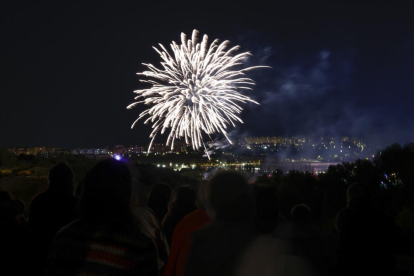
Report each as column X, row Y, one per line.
column 196, row 91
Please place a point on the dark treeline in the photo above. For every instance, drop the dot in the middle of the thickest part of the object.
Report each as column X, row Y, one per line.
column 39, row 165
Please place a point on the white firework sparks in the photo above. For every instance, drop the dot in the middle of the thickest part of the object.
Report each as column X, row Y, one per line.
column 195, row 92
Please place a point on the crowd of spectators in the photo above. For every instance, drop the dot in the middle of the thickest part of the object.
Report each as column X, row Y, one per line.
column 107, row 225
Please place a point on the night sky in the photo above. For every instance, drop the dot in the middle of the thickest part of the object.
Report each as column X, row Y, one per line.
column 69, row 70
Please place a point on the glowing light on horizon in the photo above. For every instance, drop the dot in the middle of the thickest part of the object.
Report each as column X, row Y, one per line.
column 117, row 157
column 195, row 92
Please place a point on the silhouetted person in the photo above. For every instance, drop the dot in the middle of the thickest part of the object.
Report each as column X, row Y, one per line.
column 78, row 188
column 158, row 199
column 301, row 214
column 52, row 209
column 217, row 248
column 14, row 239
column 139, row 196
column 305, row 240
column 291, row 250
column 182, row 237
column 182, row 203
column 103, row 241
column 365, row 236
column 267, row 207
column 146, row 221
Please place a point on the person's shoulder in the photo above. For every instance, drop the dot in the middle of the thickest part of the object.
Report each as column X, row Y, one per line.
column 205, row 234
column 166, row 217
column 268, row 243
column 189, row 219
column 382, row 220
column 75, row 226
column 38, row 200
column 109, row 232
column 341, row 218
column 129, row 234
column 73, row 201
column 341, row 214
column 198, row 214
column 134, row 241
column 344, row 211
column 184, row 225
column 40, row 196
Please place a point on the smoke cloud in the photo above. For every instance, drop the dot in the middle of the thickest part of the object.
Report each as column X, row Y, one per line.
column 313, row 93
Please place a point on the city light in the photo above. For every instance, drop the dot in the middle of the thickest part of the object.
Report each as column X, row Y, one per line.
column 117, row 157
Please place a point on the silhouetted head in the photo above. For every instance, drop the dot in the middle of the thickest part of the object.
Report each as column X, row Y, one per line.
column 183, row 199
column 10, row 208
column 229, row 197
column 107, row 192
column 138, row 196
column 79, row 188
column 201, row 195
column 301, row 214
column 61, row 178
column 358, row 195
column 160, row 192
column 267, row 206
column 158, row 199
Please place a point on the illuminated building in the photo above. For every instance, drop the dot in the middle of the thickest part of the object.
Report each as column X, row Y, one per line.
column 313, row 167
column 39, row 150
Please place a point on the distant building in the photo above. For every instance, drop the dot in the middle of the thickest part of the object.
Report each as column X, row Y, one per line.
column 159, row 148
column 313, row 167
column 269, row 140
column 98, row 154
column 136, row 149
column 39, row 150
column 54, row 152
column 119, row 149
column 30, row 151
column 301, row 140
column 20, row 151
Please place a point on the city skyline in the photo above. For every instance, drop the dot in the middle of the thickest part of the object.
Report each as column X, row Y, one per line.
column 243, row 140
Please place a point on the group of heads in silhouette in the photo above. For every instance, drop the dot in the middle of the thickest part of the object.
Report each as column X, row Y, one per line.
column 108, row 224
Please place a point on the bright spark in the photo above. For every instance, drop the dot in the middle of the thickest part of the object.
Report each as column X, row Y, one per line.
column 195, row 92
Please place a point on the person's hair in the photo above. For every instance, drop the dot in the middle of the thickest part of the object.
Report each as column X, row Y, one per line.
column 301, row 213
column 159, row 192
column 60, row 177
column 147, row 222
column 267, row 206
column 358, row 195
column 182, row 199
column 107, row 192
column 4, row 196
column 9, row 207
column 138, row 195
column 158, row 199
column 79, row 188
column 229, row 197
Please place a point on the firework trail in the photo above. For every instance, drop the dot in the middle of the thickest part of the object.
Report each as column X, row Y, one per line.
column 195, row 92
